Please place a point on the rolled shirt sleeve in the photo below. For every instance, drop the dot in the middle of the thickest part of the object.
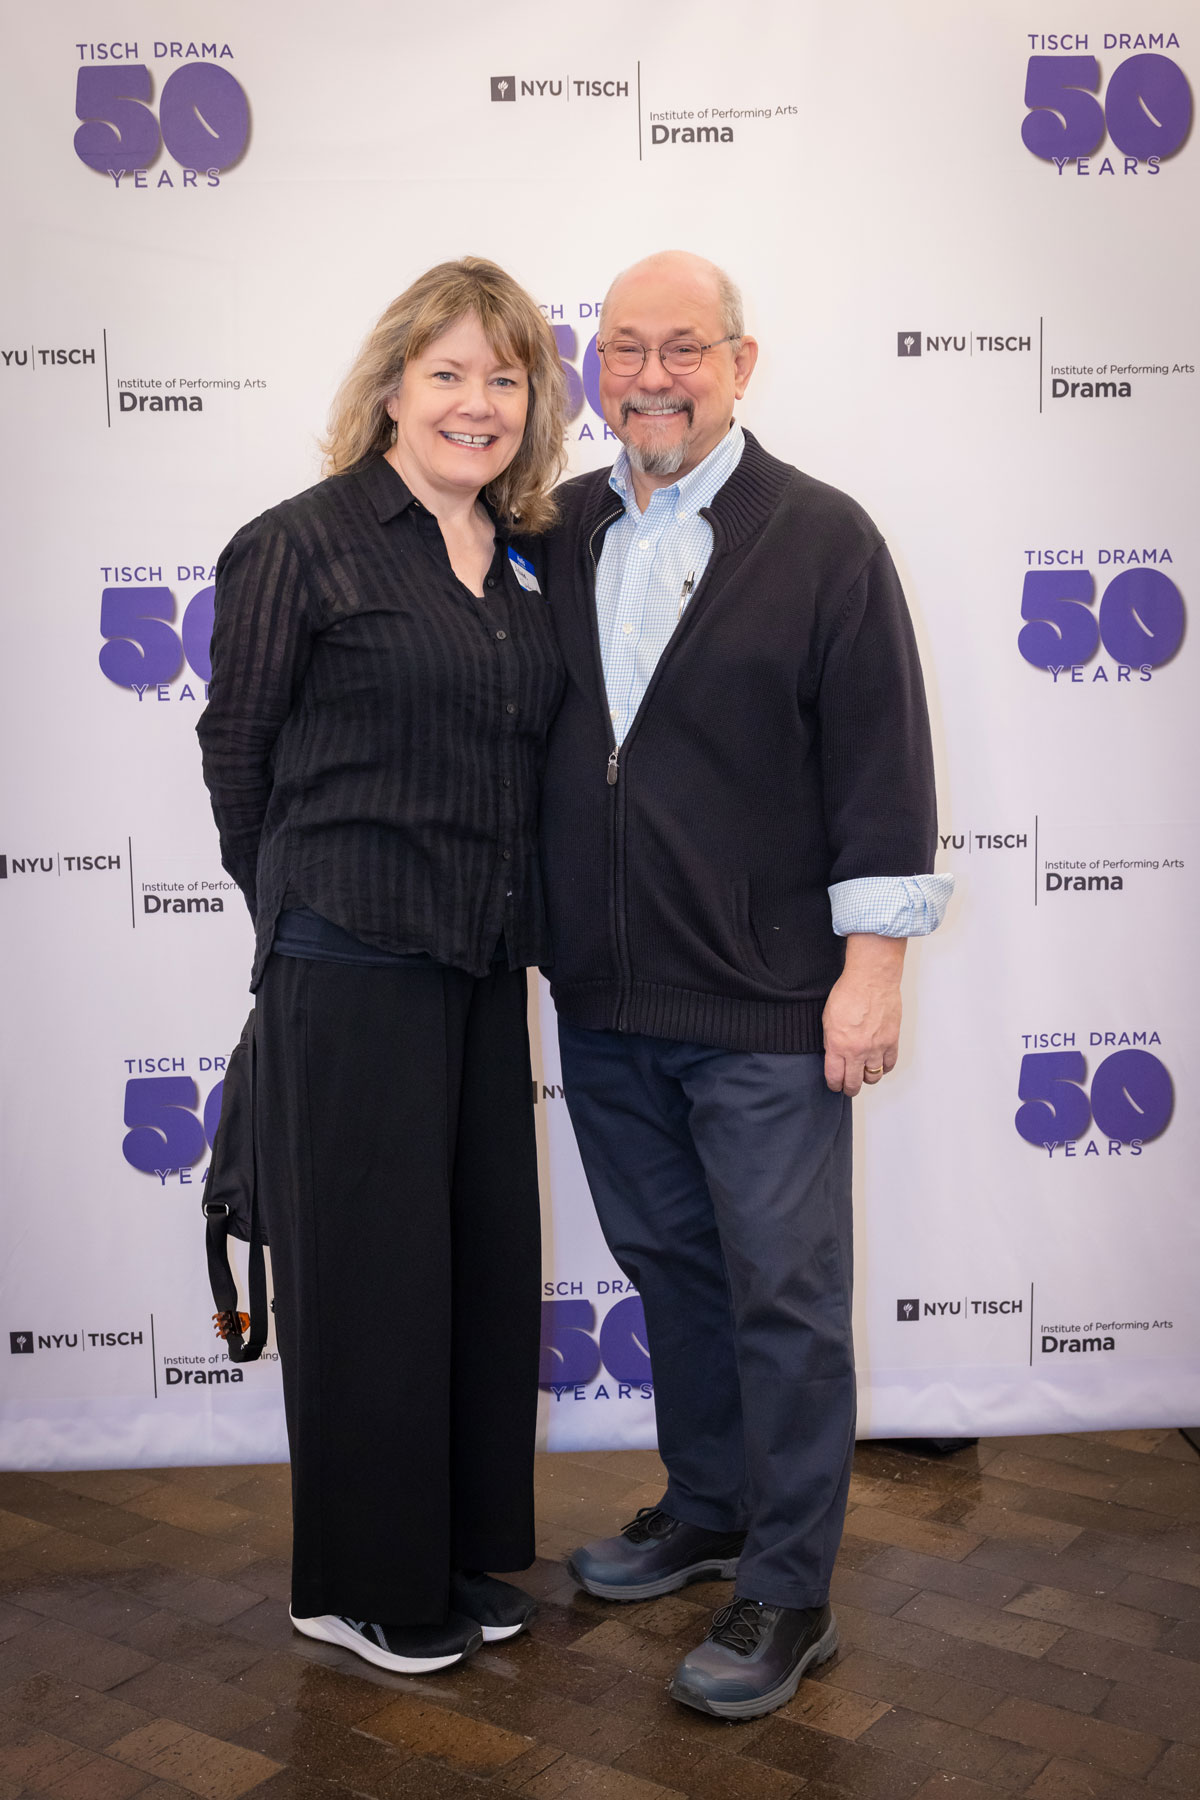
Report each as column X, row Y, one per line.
column 897, row 906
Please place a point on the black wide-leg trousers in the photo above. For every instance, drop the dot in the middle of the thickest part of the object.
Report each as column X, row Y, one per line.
column 398, row 1172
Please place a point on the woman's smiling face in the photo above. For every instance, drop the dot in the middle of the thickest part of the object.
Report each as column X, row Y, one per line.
column 459, row 411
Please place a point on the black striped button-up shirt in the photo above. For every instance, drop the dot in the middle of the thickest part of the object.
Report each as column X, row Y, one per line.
column 375, row 733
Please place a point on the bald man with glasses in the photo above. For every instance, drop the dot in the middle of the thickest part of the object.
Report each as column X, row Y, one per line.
column 738, row 832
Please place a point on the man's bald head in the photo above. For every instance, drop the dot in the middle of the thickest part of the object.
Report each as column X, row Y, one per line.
column 682, row 266
column 669, row 420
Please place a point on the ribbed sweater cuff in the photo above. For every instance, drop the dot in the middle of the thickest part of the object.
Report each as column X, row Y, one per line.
column 654, row 1010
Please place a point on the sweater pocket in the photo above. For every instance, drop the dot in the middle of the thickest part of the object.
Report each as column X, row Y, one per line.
column 767, row 943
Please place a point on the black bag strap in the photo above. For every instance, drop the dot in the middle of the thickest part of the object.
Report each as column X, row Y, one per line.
column 228, row 1319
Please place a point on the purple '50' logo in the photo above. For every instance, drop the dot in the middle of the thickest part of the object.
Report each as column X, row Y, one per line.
column 203, row 117
column 164, row 1133
column 579, row 387
column 571, row 1355
column 144, row 649
column 1140, row 623
column 1147, row 108
column 1131, row 1101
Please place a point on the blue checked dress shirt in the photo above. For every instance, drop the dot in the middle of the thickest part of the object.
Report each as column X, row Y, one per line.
column 650, row 565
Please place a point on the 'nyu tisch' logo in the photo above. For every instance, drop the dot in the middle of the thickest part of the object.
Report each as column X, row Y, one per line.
column 557, row 87
column 961, row 343
column 910, row 1312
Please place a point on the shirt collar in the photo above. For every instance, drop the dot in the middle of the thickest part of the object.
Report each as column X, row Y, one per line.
column 390, row 494
column 385, row 490
column 693, row 490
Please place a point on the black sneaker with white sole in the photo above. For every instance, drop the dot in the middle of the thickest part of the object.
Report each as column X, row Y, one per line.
column 404, row 1649
column 498, row 1608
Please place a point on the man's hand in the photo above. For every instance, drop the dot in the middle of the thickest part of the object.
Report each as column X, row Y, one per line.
column 862, row 1014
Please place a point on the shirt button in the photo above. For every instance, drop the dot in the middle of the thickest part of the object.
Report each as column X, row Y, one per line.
column 507, row 855
column 643, row 543
column 502, row 635
column 504, row 781
column 490, row 582
column 627, row 629
column 510, row 708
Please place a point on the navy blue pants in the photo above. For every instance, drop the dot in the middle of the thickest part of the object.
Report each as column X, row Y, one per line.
column 722, row 1183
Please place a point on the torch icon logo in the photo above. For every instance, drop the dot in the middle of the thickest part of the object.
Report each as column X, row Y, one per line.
column 908, row 343
column 504, row 87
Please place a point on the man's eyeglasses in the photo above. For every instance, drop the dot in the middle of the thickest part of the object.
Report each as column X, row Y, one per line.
column 682, row 356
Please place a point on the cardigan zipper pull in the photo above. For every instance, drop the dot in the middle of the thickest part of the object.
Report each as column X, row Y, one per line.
column 613, row 770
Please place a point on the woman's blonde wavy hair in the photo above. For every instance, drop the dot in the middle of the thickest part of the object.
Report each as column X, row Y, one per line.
column 359, row 426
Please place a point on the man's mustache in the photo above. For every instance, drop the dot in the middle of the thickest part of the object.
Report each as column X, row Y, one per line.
column 649, row 404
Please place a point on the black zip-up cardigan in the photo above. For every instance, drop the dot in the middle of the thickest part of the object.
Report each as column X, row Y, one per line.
column 782, row 746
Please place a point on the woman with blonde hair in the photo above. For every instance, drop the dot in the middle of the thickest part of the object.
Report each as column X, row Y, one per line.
column 383, row 676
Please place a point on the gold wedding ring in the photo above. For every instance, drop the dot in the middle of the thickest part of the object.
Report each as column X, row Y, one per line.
column 878, row 1071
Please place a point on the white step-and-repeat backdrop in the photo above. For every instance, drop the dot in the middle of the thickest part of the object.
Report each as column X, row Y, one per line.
column 968, row 246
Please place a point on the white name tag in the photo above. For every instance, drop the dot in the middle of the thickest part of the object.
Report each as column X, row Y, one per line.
column 523, row 571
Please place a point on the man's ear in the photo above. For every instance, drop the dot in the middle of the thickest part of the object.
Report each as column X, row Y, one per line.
column 744, row 359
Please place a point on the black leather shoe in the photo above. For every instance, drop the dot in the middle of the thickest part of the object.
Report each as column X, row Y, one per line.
column 499, row 1609
column 753, row 1658
column 655, row 1554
